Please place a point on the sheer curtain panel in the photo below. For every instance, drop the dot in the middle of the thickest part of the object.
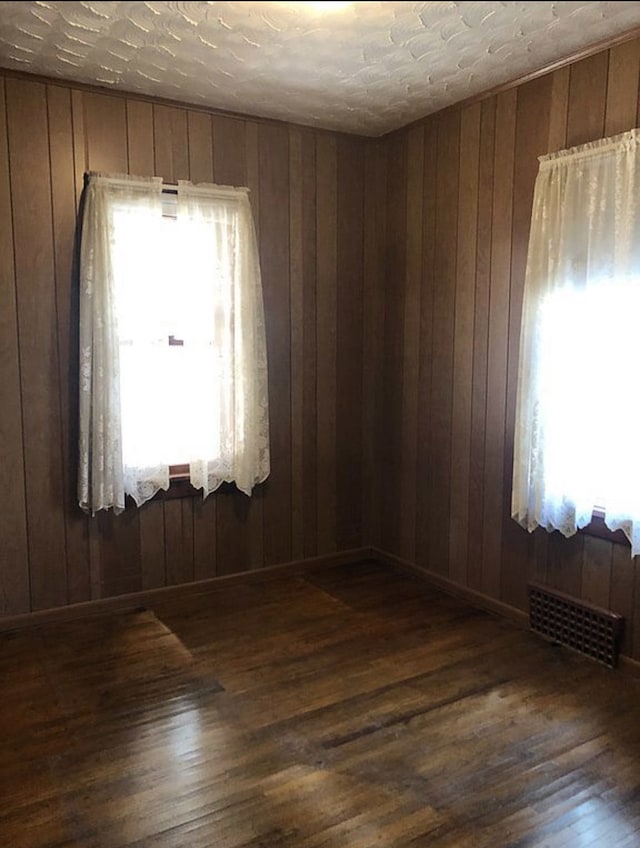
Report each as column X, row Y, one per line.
column 173, row 352
column 576, row 439
column 118, row 211
column 228, row 358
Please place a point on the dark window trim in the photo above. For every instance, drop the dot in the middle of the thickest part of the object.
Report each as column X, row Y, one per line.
column 180, row 486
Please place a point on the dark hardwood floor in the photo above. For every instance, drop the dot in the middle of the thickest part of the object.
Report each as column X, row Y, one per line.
column 353, row 707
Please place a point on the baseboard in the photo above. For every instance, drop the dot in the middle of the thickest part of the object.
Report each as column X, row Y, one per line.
column 135, row 600
column 146, row 597
column 626, row 665
column 629, row 666
column 476, row 599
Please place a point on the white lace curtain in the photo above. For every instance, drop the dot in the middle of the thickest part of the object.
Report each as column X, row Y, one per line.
column 172, row 341
column 576, row 439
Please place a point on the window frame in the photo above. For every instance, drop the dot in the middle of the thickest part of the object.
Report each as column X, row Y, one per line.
column 179, row 481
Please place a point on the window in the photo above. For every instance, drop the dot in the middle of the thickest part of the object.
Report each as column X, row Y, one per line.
column 173, row 355
column 577, row 447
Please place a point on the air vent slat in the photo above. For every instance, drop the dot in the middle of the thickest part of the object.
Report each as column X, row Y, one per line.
column 591, row 630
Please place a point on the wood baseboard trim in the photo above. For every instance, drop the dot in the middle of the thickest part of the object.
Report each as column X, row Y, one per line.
column 476, row 599
column 146, row 597
column 629, row 666
column 135, row 600
column 626, row 665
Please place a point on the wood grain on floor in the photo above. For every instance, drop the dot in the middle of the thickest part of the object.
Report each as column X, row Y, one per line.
column 351, row 707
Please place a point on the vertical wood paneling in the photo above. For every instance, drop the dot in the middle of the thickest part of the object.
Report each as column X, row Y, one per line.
column 205, row 545
column 105, row 136
column 152, row 547
column 200, row 147
column 253, row 170
column 326, row 296
column 14, row 562
column 424, row 486
column 38, row 354
column 171, row 143
column 558, row 110
column 495, row 498
column 230, row 156
column 140, row 138
column 274, row 236
column 622, row 88
column 587, row 97
column 309, row 352
column 296, row 281
column 80, row 155
column 411, row 341
column 393, row 339
column 56, row 134
column 393, row 320
column 119, row 552
column 63, row 196
column 532, row 134
column 480, row 344
column 463, row 341
column 231, row 533
column 178, row 541
column 622, row 598
column 596, row 571
column 373, row 328
column 349, row 344
column 445, row 266
column 564, row 563
column 539, row 556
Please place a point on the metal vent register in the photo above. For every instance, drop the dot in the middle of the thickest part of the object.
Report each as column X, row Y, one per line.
column 586, row 628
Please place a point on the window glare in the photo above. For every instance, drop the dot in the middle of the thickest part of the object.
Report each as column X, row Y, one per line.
column 588, row 406
column 164, row 413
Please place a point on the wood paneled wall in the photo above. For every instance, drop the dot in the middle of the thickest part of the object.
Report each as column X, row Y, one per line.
column 393, row 274
column 308, row 195
column 459, row 202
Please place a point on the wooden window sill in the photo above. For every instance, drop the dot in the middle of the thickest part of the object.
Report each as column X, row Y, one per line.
column 180, row 486
column 598, row 528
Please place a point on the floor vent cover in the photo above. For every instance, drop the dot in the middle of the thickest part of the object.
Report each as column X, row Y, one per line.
column 581, row 626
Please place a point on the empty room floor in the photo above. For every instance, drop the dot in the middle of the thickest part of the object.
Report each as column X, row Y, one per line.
column 353, row 707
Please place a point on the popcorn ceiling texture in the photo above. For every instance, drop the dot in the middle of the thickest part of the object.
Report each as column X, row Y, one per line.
column 369, row 69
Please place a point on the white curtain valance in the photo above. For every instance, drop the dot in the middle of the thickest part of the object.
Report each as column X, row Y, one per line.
column 145, row 405
column 577, row 406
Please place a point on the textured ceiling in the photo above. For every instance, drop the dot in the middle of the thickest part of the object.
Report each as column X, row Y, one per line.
column 369, row 68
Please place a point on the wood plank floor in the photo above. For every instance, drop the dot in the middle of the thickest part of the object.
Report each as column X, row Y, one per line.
column 352, row 707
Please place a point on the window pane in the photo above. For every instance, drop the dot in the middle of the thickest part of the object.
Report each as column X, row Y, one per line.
column 170, row 392
column 587, row 405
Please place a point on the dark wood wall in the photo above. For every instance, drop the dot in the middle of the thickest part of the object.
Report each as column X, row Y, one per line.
column 308, row 195
column 393, row 274
column 459, row 202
